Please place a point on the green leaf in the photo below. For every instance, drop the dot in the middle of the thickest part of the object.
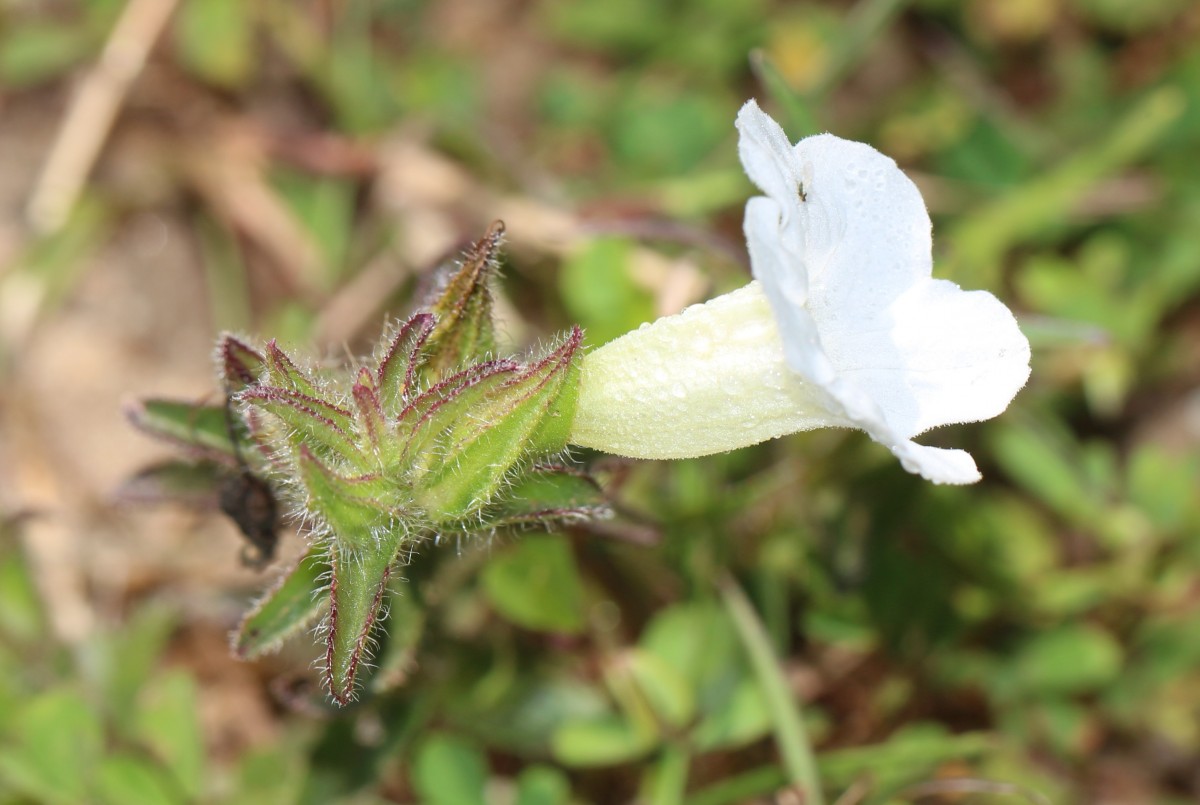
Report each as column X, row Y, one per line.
column 241, row 365
column 698, row 641
column 59, row 739
column 22, row 619
column 325, row 207
column 658, row 131
column 130, row 656
column 194, row 483
column 127, row 779
column 1034, row 208
column 599, row 292
column 1070, row 659
column 216, row 40
column 542, row 785
column 535, row 584
column 449, row 771
column 604, row 741
column 258, row 780
column 1046, row 468
column 790, row 732
column 371, row 419
column 653, row 695
column 910, row 755
column 293, row 605
column 799, row 116
column 168, row 723
column 203, row 428
column 32, row 52
column 283, row 372
column 465, row 330
column 741, row 715
column 353, row 509
column 423, row 423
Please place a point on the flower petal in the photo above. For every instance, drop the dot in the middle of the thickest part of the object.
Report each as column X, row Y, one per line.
column 938, row 464
column 848, row 277
column 962, row 359
column 767, row 155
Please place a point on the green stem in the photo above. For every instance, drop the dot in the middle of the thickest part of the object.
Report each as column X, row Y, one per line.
column 787, row 722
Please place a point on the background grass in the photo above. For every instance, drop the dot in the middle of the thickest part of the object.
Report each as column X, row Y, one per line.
column 295, row 169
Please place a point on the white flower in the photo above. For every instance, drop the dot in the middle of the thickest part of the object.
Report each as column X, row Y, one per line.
column 843, row 327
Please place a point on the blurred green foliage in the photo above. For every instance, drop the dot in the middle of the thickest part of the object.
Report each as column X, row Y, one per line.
column 1041, row 629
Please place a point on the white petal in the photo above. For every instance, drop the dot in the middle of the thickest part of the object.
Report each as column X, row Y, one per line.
column 868, row 235
column 767, row 155
column 710, row 379
column 938, row 464
column 784, row 284
column 964, row 357
column 895, row 351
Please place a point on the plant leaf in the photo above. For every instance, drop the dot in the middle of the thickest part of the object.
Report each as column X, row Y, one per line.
column 535, row 583
column 196, row 426
column 193, row 483
column 293, row 605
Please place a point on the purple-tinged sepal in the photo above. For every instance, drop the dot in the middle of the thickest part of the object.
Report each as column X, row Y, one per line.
column 356, row 600
column 240, row 365
column 396, row 376
column 468, row 459
column 312, row 421
column 465, row 331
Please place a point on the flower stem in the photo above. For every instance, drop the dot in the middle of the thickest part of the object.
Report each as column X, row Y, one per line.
column 788, row 724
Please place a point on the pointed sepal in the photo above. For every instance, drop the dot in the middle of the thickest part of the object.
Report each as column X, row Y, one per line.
column 356, row 599
column 294, row 604
column 283, row 372
column 466, row 331
column 526, row 417
column 425, row 422
column 396, row 376
column 370, row 411
column 310, row 420
column 241, row 365
column 547, row 495
column 353, row 511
